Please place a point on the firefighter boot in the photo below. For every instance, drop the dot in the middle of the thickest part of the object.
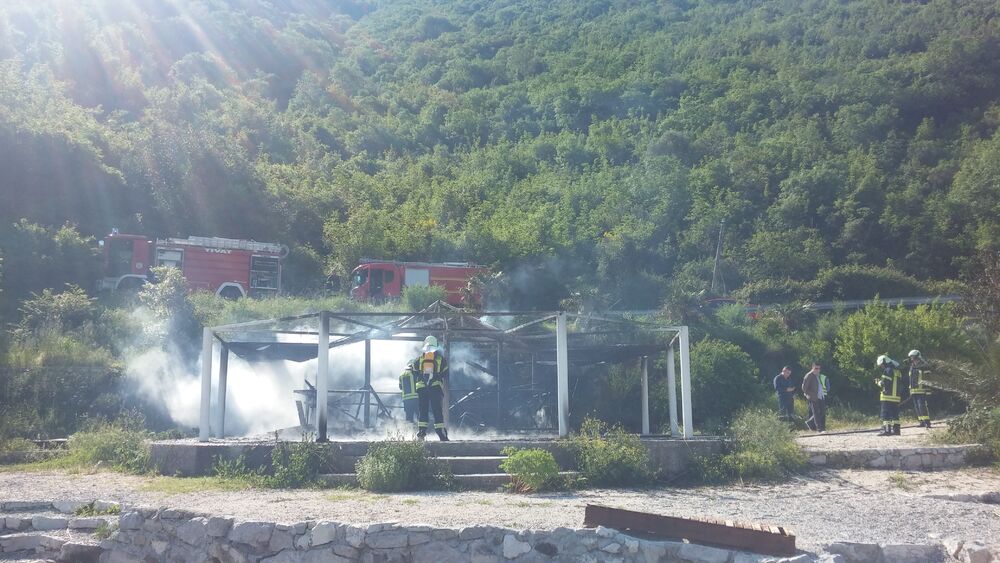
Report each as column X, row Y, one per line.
column 421, row 435
column 895, row 430
column 442, row 434
column 886, row 430
column 927, row 424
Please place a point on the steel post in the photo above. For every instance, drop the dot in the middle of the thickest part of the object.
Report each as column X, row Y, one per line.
column 645, row 394
column 368, row 384
column 562, row 374
column 322, row 375
column 672, row 391
column 205, row 424
column 685, row 343
column 220, row 400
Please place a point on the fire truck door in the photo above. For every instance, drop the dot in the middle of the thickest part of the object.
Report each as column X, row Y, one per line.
column 375, row 285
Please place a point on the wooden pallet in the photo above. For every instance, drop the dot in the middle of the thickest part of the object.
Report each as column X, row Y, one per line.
column 746, row 536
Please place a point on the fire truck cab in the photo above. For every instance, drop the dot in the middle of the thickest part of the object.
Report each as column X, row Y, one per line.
column 227, row 267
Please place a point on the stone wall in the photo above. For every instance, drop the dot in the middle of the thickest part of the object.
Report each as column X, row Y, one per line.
column 916, row 459
column 175, row 535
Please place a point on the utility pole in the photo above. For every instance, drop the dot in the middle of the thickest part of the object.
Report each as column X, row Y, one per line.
column 717, row 278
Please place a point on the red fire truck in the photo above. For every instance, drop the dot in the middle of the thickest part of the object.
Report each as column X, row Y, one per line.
column 378, row 280
column 228, row 267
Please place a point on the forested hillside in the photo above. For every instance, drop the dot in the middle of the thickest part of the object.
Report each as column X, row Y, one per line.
column 604, row 140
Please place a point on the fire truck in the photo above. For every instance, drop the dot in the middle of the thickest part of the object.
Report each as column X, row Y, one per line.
column 379, row 280
column 227, row 267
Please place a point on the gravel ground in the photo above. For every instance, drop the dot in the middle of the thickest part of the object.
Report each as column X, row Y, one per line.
column 821, row 508
column 908, row 438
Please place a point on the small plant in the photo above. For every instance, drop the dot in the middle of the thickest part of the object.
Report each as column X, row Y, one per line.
column 610, row 455
column 105, row 530
column 531, row 469
column 91, row 510
column 296, row 465
column 761, row 448
column 899, row 480
column 16, row 445
column 419, row 297
column 121, row 445
column 236, row 471
column 400, row 465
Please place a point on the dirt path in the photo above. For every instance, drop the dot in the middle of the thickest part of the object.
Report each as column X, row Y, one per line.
column 821, row 507
column 854, row 440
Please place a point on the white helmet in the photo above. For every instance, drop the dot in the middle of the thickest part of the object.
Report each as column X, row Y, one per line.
column 882, row 360
column 430, row 343
column 914, row 353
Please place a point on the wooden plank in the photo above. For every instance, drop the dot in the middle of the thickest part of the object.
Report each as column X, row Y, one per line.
column 767, row 539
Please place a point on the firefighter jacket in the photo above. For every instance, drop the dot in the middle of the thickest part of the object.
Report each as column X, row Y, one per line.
column 890, row 385
column 433, row 369
column 408, row 380
column 917, row 386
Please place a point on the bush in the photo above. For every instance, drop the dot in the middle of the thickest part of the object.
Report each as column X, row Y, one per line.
column 609, row 455
column 723, row 380
column 400, row 465
column 531, row 470
column 761, row 448
column 297, row 464
column 121, row 445
column 419, row 297
column 979, row 425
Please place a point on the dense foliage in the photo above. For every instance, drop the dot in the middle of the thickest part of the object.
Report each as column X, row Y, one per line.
column 613, row 134
column 531, row 469
column 395, row 465
column 760, row 448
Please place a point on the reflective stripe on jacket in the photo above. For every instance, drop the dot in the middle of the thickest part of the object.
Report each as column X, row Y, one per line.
column 889, row 385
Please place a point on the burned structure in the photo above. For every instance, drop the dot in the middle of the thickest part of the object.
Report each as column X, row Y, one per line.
column 510, row 371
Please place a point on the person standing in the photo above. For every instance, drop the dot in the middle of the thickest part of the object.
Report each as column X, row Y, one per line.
column 407, row 385
column 918, row 391
column 812, row 388
column 889, row 394
column 785, row 390
column 430, row 390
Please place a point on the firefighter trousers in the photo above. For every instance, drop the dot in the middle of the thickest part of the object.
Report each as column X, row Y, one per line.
column 890, row 413
column 920, row 405
column 411, row 409
column 431, row 398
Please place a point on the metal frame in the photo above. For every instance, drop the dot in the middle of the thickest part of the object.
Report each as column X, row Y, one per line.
column 443, row 318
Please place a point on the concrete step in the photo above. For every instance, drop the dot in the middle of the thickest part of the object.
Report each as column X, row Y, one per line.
column 19, row 522
column 465, row 465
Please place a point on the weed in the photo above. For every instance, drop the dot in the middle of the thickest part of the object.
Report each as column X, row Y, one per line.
column 298, row 464
column 105, row 530
column 410, row 501
column 399, row 465
column 186, row 485
column 761, row 448
column 90, row 510
column 531, row 469
column 899, row 480
column 610, row 455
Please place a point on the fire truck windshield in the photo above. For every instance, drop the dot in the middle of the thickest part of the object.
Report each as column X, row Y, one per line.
column 360, row 277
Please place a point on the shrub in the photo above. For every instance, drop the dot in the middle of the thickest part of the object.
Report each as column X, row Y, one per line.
column 980, row 425
column 761, row 448
column 723, row 380
column 400, row 465
column 610, row 455
column 419, row 297
column 531, row 469
column 297, row 464
column 122, row 445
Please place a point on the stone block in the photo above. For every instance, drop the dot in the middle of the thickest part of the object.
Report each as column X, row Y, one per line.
column 174, row 514
column 472, row 533
column 25, row 505
column 346, row 551
column 831, row 558
column 79, row 553
column 605, row 532
column 52, row 543
column 976, row 552
column 45, row 523
column 324, row 533
column 912, row 553
column 280, row 540
column 513, row 547
column 797, row 559
column 20, row 542
column 130, row 521
column 702, row 553
column 68, row 506
column 159, row 546
column 251, row 533
column 386, row 540
column 744, row 557
column 354, row 536
column 856, row 552
column 106, row 506
column 288, row 556
column 445, row 534
column 438, row 553
column 85, row 523
column 17, row 523
column 613, row 547
column 218, row 527
column 194, row 531
column 418, row 538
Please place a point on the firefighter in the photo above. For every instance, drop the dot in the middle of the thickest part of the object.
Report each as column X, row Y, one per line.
column 890, row 387
column 918, row 391
column 430, row 391
column 407, row 384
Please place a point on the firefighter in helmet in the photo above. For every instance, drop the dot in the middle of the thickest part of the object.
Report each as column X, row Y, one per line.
column 433, row 370
column 919, row 391
column 890, row 388
column 407, row 384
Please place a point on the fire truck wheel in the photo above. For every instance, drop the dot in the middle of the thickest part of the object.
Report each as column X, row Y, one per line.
column 230, row 293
